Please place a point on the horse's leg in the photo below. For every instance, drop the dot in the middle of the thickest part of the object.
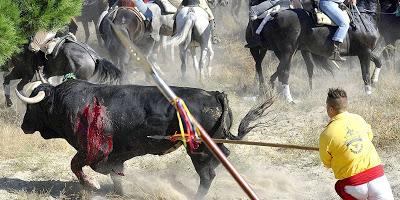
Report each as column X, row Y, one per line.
column 210, row 57
column 14, row 74
column 365, row 58
column 274, row 76
column 182, row 54
column 258, row 55
column 99, row 39
column 310, row 66
column 204, row 52
column 284, row 71
column 205, row 164
column 85, row 25
column 197, row 70
column 377, row 70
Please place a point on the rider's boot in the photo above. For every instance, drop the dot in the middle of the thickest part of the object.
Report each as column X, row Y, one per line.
column 336, row 52
column 214, row 37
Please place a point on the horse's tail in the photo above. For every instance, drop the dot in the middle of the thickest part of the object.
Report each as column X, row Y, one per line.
column 255, row 113
column 186, row 31
column 107, row 71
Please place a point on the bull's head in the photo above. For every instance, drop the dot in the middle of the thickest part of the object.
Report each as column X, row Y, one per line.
column 39, row 105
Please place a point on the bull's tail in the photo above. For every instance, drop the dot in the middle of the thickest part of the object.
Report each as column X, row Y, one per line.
column 226, row 118
column 107, row 71
column 256, row 112
column 186, row 31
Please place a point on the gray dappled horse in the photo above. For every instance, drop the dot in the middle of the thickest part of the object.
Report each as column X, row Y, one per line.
column 193, row 29
column 294, row 29
column 74, row 57
column 91, row 11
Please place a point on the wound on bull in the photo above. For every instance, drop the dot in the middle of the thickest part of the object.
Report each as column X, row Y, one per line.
column 90, row 129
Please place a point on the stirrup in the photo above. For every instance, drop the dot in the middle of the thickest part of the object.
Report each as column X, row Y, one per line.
column 336, row 56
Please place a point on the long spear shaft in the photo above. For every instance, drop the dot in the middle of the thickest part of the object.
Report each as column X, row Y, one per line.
column 289, row 146
column 170, row 95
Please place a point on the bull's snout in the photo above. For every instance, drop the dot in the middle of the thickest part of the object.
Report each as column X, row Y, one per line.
column 27, row 129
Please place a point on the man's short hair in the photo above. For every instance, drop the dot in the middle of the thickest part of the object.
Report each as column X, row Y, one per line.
column 337, row 98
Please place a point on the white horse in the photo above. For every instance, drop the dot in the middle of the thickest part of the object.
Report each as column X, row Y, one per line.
column 193, row 30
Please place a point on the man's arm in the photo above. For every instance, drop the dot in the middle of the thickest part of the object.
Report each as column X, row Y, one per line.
column 324, row 154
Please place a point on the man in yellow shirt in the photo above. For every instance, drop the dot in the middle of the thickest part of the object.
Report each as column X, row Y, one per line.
column 346, row 147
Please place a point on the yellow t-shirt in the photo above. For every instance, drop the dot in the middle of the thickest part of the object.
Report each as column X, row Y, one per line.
column 346, row 147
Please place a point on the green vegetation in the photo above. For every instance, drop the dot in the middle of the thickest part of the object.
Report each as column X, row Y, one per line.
column 20, row 19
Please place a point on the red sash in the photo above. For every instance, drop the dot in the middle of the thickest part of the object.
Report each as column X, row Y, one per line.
column 358, row 179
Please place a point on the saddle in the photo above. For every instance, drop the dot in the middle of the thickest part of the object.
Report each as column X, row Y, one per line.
column 320, row 18
column 53, row 46
column 149, row 26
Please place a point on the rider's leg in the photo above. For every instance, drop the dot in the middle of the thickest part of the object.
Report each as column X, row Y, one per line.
column 203, row 4
column 142, row 7
column 332, row 9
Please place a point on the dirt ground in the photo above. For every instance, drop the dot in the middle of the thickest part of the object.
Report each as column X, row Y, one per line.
column 33, row 168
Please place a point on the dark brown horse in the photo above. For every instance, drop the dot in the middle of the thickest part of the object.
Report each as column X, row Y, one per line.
column 132, row 24
column 295, row 29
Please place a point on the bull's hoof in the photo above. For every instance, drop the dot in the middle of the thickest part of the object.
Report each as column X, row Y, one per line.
column 90, row 184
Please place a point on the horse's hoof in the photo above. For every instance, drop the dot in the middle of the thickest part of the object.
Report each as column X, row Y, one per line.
column 9, row 103
column 368, row 89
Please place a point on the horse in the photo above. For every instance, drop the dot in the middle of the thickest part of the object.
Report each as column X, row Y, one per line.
column 72, row 57
column 294, row 29
column 193, row 27
column 91, row 11
column 133, row 26
column 389, row 27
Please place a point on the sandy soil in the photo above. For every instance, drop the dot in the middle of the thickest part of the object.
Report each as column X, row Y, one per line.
column 33, row 168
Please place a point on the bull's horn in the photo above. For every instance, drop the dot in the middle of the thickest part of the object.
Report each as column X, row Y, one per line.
column 41, row 77
column 31, row 100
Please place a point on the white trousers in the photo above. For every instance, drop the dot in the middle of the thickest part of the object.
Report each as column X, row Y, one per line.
column 377, row 189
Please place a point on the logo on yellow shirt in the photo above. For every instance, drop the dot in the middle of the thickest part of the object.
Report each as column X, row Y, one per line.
column 353, row 141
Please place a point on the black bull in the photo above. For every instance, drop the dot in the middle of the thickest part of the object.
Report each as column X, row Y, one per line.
column 108, row 125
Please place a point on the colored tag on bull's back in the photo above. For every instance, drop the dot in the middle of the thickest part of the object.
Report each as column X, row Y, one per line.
column 90, row 129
